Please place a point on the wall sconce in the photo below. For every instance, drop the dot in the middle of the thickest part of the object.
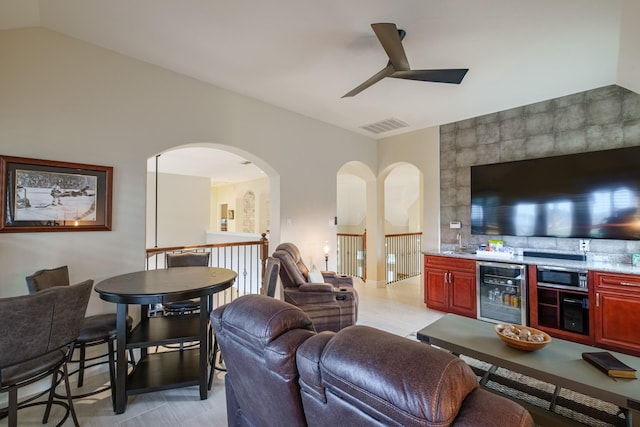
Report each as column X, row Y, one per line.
column 326, row 255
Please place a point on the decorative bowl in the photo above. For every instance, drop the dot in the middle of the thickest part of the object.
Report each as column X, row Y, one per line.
column 522, row 337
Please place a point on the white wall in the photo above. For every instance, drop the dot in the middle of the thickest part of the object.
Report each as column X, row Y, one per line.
column 62, row 99
column 401, row 199
column 183, row 209
column 629, row 59
column 352, row 203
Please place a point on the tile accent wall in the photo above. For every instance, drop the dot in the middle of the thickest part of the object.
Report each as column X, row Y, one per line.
column 603, row 118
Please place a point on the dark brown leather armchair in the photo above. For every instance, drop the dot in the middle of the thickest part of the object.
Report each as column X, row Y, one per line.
column 258, row 337
column 331, row 305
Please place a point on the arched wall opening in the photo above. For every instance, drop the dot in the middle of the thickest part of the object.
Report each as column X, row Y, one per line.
column 191, row 201
column 403, row 199
column 356, row 216
column 401, row 189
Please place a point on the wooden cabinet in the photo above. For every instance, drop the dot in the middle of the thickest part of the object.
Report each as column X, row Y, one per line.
column 606, row 315
column 617, row 311
column 450, row 285
column 548, row 311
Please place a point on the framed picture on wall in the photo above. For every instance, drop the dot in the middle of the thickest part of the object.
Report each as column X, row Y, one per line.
column 232, row 214
column 44, row 195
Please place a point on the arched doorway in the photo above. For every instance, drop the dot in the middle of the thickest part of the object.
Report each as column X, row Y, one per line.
column 402, row 222
column 355, row 207
column 197, row 194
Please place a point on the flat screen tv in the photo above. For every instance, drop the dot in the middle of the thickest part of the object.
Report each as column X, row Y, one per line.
column 587, row 195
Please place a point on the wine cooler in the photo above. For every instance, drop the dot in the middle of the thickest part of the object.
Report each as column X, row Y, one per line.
column 502, row 292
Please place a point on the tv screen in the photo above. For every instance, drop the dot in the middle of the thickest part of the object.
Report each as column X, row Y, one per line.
column 587, row 195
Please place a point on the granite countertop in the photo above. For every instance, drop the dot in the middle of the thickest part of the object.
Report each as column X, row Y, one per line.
column 606, row 266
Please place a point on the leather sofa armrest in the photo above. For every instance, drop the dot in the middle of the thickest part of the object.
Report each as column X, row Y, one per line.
column 474, row 411
column 327, row 274
column 337, row 279
column 280, row 354
column 316, row 287
column 308, row 359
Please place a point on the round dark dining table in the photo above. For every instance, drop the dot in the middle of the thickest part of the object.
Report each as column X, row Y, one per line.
column 168, row 369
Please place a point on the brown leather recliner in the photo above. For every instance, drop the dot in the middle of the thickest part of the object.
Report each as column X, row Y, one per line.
column 332, row 305
column 258, row 337
column 280, row 373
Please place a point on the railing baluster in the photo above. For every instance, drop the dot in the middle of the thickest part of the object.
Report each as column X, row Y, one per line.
column 248, row 259
column 402, row 256
column 350, row 246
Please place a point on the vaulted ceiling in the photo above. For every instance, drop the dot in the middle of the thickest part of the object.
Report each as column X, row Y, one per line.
column 303, row 55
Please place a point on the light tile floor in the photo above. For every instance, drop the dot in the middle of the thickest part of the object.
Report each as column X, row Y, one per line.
column 397, row 308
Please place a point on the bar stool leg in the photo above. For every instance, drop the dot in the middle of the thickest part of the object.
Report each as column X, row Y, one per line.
column 81, row 365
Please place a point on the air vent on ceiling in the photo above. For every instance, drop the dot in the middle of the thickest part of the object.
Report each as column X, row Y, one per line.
column 385, row 126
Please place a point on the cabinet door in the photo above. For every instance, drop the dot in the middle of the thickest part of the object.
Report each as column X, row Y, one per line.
column 436, row 288
column 617, row 312
column 462, row 294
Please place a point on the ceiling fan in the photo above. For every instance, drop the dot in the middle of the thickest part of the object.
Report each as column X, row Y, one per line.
column 390, row 38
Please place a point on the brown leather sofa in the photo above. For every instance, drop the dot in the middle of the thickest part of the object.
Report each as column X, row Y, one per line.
column 281, row 373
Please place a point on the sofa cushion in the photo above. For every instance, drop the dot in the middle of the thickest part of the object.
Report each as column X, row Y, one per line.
column 419, row 383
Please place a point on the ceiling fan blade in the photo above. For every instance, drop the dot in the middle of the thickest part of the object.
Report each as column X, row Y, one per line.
column 390, row 39
column 385, row 72
column 453, row 76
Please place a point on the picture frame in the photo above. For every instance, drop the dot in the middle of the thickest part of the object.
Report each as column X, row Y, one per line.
column 44, row 195
column 232, row 214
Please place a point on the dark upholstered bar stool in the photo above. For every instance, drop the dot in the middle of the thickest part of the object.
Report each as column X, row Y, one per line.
column 190, row 306
column 185, row 259
column 37, row 334
column 96, row 330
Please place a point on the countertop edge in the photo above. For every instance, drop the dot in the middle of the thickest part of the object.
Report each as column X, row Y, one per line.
column 585, row 265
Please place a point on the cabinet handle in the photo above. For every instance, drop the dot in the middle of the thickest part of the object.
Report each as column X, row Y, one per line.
column 597, row 299
column 450, row 278
column 629, row 284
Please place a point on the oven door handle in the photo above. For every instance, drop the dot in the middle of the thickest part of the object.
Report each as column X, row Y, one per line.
column 562, row 269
